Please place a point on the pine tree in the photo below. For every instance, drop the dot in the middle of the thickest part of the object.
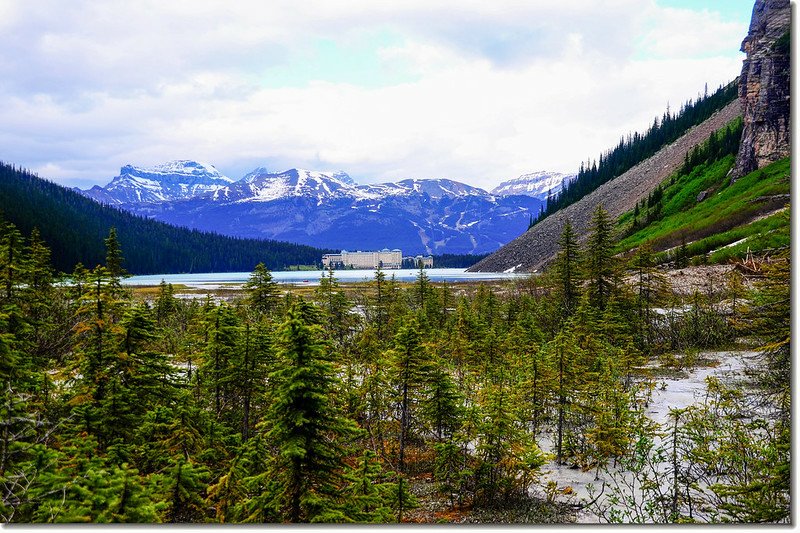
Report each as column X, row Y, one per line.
column 262, row 291
column 369, row 491
column 97, row 339
column 441, row 403
column 566, row 356
column 335, row 306
column 408, row 369
column 165, row 302
column 381, row 302
column 567, row 269
column 682, row 254
column 114, row 257
column 600, row 259
column 11, row 263
column 306, row 429
column 114, row 260
column 423, row 288
column 12, row 405
column 538, row 387
column 255, row 360
column 510, row 459
column 220, row 352
column 183, row 487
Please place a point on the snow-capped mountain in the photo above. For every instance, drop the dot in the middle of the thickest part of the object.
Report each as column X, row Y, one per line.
column 434, row 188
column 328, row 209
column 260, row 185
column 537, row 184
column 174, row 180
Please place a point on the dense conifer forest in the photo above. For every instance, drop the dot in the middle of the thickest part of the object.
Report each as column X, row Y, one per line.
column 75, row 226
column 388, row 402
column 637, row 147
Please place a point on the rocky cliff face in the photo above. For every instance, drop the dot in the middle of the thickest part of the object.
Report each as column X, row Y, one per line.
column 764, row 87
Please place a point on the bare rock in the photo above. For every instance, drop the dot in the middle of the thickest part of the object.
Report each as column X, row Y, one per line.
column 764, row 88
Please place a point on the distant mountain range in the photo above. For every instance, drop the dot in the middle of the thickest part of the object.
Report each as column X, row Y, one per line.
column 328, row 209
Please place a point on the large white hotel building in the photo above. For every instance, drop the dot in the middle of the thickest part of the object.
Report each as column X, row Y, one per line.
column 385, row 259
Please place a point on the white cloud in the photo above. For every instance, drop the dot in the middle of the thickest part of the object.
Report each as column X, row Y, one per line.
column 675, row 33
column 491, row 90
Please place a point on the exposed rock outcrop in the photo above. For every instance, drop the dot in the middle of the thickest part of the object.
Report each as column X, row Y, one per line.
column 764, row 87
column 536, row 247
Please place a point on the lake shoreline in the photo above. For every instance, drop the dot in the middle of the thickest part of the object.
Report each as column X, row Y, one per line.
column 231, row 280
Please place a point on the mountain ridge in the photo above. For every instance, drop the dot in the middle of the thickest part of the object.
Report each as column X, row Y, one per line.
column 539, row 184
column 328, row 209
column 173, row 180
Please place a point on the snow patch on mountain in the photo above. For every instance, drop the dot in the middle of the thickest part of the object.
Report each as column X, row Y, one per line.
column 539, row 184
column 260, row 185
column 174, row 180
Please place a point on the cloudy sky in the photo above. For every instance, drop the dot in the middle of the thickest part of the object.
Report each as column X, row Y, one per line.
column 478, row 91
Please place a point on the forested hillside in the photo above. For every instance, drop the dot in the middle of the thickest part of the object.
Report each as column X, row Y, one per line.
column 535, row 248
column 75, row 226
column 391, row 403
column 638, row 147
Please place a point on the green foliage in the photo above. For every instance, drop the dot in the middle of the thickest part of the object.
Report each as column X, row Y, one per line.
column 567, row 269
column 306, row 430
column 123, row 406
column 184, row 484
column 600, row 263
column 730, row 214
column 408, row 368
column 457, row 260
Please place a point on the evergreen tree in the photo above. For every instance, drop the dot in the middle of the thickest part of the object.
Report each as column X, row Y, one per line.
column 423, row 288
column 262, row 292
column 650, row 286
column 184, row 486
column 381, row 302
column 682, row 254
column 509, row 457
column 371, row 493
column 441, row 403
column 218, row 369
column 307, row 431
column 335, row 306
column 114, row 260
column 567, row 269
column 600, row 259
column 165, row 302
column 97, row 338
column 409, row 368
column 11, row 262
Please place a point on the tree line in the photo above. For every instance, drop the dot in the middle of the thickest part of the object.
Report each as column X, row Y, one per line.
column 638, row 147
